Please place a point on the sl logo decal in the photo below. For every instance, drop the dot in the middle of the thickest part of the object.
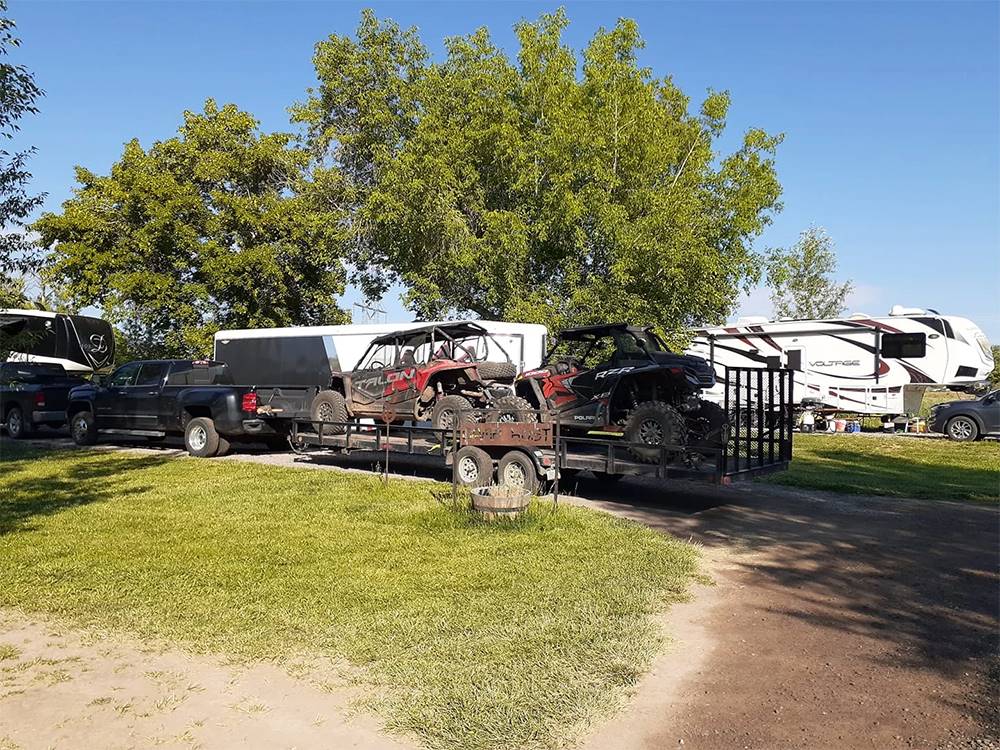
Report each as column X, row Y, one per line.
column 97, row 344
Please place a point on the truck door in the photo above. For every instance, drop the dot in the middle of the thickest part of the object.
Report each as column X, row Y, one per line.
column 144, row 397
column 111, row 402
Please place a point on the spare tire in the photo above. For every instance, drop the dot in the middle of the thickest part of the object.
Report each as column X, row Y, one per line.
column 490, row 371
column 329, row 406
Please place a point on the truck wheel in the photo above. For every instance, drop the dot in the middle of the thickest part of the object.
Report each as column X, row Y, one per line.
column 516, row 469
column 223, row 448
column 83, row 428
column 446, row 411
column 17, row 428
column 512, row 409
column 963, row 429
column 653, row 424
column 200, row 437
column 473, row 467
column 329, row 406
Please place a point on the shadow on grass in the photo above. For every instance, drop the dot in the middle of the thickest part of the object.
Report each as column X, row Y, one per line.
column 38, row 482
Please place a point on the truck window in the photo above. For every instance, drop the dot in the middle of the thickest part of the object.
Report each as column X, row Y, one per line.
column 904, row 345
column 124, row 375
column 199, row 374
column 152, row 373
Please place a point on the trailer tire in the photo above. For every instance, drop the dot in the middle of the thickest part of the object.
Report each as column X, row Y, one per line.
column 516, row 469
column 446, row 411
column 17, row 426
column 83, row 428
column 329, row 406
column 200, row 438
column 603, row 476
column 473, row 467
column 654, row 423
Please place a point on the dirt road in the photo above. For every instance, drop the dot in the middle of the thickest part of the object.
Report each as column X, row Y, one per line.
column 835, row 621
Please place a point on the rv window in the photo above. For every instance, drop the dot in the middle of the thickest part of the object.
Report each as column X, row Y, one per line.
column 795, row 359
column 904, row 345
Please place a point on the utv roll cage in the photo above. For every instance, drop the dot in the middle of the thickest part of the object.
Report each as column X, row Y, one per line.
column 595, row 333
column 452, row 334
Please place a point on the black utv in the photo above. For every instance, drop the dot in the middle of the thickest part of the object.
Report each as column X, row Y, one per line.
column 622, row 379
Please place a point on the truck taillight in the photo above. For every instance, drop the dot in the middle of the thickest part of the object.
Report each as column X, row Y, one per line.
column 250, row 402
column 39, row 399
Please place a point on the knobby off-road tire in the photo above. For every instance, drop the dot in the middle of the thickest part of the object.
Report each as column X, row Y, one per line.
column 497, row 370
column 83, row 428
column 473, row 467
column 446, row 411
column 17, row 424
column 654, row 423
column 512, row 409
column 329, row 406
column 200, row 438
column 717, row 434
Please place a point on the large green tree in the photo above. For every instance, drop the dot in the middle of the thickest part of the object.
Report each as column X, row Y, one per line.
column 802, row 279
column 217, row 227
column 556, row 187
column 18, row 97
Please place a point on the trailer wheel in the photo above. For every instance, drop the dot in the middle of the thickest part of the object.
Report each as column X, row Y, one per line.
column 473, row 467
column 446, row 411
column 329, row 406
column 83, row 428
column 652, row 424
column 516, row 469
column 603, row 476
column 200, row 437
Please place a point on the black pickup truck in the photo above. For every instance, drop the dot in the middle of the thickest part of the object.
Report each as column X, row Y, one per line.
column 33, row 394
column 156, row 398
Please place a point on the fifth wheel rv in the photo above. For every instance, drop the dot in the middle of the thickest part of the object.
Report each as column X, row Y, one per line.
column 79, row 343
column 859, row 364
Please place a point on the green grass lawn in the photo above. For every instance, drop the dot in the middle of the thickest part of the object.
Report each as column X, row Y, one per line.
column 468, row 635
column 898, row 466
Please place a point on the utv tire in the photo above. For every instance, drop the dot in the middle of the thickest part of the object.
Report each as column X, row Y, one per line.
column 473, row 467
column 654, row 423
column 200, row 438
column 17, row 427
column 962, row 429
column 717, row 430
column 516, row 469
column 492, row 371
column 329, row 406
column 83, row 428
column 512, row 409
column 445, row 414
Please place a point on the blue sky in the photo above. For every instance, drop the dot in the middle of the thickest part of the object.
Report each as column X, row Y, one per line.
column 890, row 110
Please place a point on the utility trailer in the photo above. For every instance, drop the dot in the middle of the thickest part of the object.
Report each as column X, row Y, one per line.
column 535, row 453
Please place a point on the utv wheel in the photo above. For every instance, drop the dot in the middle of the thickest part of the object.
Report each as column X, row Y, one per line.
column 473, row 467
column 516, row 469
column 714, row 426
column 446, row 412
column 17, row 428
column 963, row 429
column 512, row 409
column 200, row 437
column 83, row 428
column 329, row 406
column 653, row 424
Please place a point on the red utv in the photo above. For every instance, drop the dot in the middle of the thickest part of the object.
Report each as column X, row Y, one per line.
column 621, row 379
column 431, row 373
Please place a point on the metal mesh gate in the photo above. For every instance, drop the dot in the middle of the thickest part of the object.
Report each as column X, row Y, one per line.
column 761, row 417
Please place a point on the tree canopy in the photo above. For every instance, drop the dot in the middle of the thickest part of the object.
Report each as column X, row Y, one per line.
column 216, row 227
column 801, row 279
column 558, row 188
column 18, row 97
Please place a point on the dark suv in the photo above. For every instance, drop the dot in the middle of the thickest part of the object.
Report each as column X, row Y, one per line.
column 967, row 420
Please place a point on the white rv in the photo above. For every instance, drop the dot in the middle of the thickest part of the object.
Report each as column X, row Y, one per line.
column 861, row 364
column 79, row 343
column 306, row 355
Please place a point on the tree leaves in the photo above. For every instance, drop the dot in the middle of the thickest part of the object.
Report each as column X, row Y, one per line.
column 801, row 279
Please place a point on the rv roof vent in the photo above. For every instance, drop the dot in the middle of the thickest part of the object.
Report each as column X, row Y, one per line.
column 900, row 310
column 858, row 316
column 752, row 320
